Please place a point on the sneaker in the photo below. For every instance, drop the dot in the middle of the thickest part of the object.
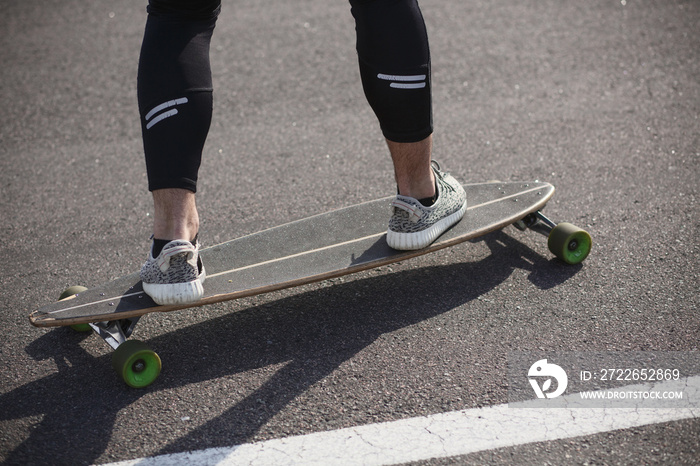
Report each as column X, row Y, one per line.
column 415, row 226
column 176, row 275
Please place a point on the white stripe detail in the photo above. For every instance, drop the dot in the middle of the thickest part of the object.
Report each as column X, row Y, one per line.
column 407, row 86
column 392, row 77
column 442, row 435
column 163, row 106
column 164, row 115
column 161, row 117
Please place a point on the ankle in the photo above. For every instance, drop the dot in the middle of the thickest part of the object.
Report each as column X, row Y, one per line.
column 168, row 235
column 422, row 188
column 412, row 168
column 175, row 215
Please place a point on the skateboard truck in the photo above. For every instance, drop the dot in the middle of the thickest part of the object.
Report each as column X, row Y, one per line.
column 115, row 332
column 536, row 221
column 566, row 241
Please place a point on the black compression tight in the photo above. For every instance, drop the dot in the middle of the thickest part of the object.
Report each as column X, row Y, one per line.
column 392, row 47
column 175, row 83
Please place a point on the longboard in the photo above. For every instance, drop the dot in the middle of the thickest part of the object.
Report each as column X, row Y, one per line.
column 317, row 248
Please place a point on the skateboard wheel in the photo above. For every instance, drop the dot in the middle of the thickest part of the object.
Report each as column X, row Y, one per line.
column 72, row 291
column 136, row 364
column 569, row 243
column 81, row 327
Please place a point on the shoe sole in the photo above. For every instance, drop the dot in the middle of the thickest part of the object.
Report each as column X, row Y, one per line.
column 421, row 239
column 176, row 293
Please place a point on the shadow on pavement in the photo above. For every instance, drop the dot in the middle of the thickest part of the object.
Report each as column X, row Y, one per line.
column 313, row 334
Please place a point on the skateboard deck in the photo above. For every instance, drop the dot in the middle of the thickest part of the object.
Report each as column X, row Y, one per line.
column 317, row 248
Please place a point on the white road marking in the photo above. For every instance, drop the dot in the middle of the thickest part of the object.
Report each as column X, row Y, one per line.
column 446, row 434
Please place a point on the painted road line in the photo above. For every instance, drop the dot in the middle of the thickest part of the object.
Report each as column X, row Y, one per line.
column 446, row 434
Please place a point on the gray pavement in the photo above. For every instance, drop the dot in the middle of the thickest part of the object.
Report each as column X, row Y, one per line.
column 600, row 98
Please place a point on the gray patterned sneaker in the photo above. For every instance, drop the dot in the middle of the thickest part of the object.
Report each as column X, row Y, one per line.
column 176, row 275
column 415, row 226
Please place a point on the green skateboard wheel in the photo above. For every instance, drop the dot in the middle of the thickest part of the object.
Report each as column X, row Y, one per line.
column 72, row 291
column 136, row 364
column 81, row 327
column 569, row 243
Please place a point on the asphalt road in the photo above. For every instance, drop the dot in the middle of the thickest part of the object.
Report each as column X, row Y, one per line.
column 600, row 97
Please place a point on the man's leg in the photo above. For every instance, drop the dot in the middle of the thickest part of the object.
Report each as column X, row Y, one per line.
column 394, row 58
column 175, row 103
